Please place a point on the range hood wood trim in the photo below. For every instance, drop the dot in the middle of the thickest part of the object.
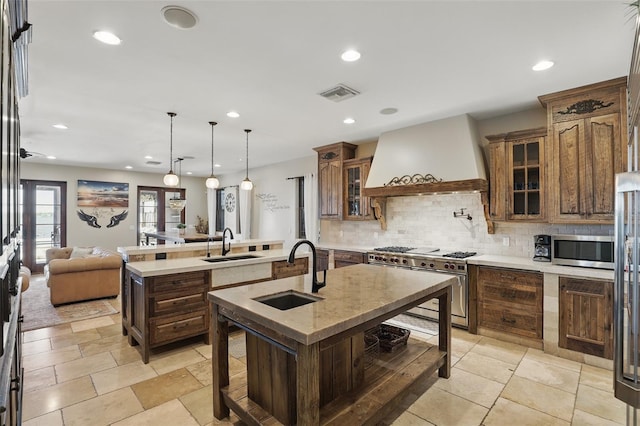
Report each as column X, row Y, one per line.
column 380, row 194
column 468, row 185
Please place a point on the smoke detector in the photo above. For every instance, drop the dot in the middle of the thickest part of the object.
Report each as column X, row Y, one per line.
column 339, row 93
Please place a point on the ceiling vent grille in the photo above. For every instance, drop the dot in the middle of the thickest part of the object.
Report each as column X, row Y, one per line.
column 339, row 93
column 153, row 163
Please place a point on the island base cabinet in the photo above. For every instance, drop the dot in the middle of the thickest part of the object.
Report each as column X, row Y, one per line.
column 271, row 374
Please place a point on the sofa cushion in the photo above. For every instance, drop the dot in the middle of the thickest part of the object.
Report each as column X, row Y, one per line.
column 79, row 252
column 58, row 253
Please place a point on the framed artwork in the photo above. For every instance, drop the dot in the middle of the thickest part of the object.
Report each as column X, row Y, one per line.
column 93, row 193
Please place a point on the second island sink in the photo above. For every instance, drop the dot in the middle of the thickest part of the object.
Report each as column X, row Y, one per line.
column 229, row 258
column 287, row 299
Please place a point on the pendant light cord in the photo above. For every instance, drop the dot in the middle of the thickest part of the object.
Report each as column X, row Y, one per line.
column 247, row 168
column 213, row 124
column 171, row 114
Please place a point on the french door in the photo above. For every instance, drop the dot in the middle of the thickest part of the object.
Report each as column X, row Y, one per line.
column 154, row 213
column 43, row 211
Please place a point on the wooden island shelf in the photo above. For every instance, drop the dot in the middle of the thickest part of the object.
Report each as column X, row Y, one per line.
column 305, row 365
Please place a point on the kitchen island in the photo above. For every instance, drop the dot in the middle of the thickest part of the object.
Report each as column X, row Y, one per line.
column 356, row 298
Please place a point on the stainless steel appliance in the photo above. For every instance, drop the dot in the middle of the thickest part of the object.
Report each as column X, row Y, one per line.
column 590, row 251
column 433, row 260
column 542, row 248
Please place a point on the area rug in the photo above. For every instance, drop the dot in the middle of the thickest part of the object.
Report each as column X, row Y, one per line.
column 38, row 311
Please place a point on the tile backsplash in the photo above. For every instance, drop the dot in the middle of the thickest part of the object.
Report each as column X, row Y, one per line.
column 428, row 220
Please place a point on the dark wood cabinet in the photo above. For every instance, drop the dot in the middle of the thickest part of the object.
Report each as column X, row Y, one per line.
column 586, row 316
column 510, row 301
column 517, row 175
column 322, row 257
column 356, row 206
column 164, row 309
column 330, row 178
column 587, row 131
column 346, row 258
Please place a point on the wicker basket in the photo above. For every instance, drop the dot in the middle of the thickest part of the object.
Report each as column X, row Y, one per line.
column 371, row 349
column 392, row 338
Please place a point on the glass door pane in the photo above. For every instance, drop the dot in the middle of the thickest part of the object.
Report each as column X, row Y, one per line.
column 148, row 215
column 47, row 220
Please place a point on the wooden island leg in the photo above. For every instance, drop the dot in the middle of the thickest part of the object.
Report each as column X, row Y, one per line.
column 444, row 336
column 308, row 384
column 219, row 362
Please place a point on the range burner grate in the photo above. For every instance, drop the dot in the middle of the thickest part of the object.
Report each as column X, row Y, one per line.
column 460, row 254
column 394, row 249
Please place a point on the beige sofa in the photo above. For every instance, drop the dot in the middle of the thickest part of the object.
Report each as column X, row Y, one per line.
column 82, row 273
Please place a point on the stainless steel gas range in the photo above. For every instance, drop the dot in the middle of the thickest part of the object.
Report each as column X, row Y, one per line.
column 434, row 260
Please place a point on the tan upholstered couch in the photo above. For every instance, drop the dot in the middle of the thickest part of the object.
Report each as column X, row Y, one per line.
column 75, row 274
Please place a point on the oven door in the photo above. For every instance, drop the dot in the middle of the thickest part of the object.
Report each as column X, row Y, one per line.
column 459, row 298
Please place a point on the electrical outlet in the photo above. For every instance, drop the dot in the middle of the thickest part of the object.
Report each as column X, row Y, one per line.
column 505, row 241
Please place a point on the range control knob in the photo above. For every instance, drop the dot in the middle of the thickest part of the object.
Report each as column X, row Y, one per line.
column 446, row 266
column 423, row 264
column 431, row 265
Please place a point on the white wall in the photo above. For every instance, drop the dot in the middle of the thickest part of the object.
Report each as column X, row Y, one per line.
column 124, row 234
column 274, row 197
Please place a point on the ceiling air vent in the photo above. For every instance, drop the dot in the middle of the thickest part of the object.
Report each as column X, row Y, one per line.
column 153, row 163
column 339, row 93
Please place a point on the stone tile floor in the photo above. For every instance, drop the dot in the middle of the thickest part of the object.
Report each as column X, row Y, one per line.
column 85, row 373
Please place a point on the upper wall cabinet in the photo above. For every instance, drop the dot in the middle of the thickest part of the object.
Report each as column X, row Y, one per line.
column 330, row 178
column 517, row 175
column 588, row 146
column 356, row 206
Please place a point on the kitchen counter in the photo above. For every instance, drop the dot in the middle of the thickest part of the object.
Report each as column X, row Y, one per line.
column 543, row 267
column 339, row 246
column 355, row 299
column 191, row 264
column 236, row 246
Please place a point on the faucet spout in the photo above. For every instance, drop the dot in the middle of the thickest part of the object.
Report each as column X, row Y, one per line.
column 226, row 248
column 316, row 285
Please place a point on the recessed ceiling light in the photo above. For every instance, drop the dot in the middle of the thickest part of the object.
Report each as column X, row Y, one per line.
column 179, row 17
column 217, row 165
column 233, row 114
column 60, row 126
column 388, row 111
column 189, row 173
column 107, row 38
column 542, row 65
column 128, row 167
column 350, row 55
column 348, row 120
column 51, row 157
column 148, row 157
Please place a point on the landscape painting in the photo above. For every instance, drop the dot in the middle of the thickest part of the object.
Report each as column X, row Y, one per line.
column 93, row 193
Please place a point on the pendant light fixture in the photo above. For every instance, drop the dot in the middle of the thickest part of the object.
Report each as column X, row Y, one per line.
column 177, row 202
column 171, row 179
column 212, row 181
column 246, row 184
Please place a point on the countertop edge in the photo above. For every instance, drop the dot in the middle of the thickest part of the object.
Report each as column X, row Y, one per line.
column 527, row 264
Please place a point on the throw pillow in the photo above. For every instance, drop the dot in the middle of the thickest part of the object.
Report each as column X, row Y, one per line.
column 80, row 252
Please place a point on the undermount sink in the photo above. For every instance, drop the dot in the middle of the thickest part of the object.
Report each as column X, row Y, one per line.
column 229, row 258
column 287, row 299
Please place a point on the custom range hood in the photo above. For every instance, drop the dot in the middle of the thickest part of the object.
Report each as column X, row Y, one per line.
column 442, row 156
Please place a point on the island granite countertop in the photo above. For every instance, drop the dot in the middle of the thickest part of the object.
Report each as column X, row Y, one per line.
column 152, row 268
column 353, row 295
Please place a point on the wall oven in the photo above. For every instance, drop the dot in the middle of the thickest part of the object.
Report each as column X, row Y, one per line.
column 431, row 260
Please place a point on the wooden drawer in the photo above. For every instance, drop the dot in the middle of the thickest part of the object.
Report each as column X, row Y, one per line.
column 284, row 269
column 512, row 321
column 345, row 258
column 164, row 304
column 164, row 330
column 510, row 276
column 178, row 282
column 523, row 296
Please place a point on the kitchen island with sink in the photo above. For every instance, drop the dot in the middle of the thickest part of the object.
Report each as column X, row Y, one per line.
column 305, row 352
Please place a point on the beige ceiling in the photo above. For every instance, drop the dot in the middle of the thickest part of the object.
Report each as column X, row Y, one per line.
column 269, row 59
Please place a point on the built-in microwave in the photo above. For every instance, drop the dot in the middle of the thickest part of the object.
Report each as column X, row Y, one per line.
column 589, row 251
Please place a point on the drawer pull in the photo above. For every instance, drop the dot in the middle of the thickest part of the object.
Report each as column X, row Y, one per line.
column 508, row 321
column 180, row 325
column 179, row 302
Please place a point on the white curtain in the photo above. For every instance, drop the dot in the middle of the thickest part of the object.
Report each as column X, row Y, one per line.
column 245, row 214
column 311, row 207
column 211, row 210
